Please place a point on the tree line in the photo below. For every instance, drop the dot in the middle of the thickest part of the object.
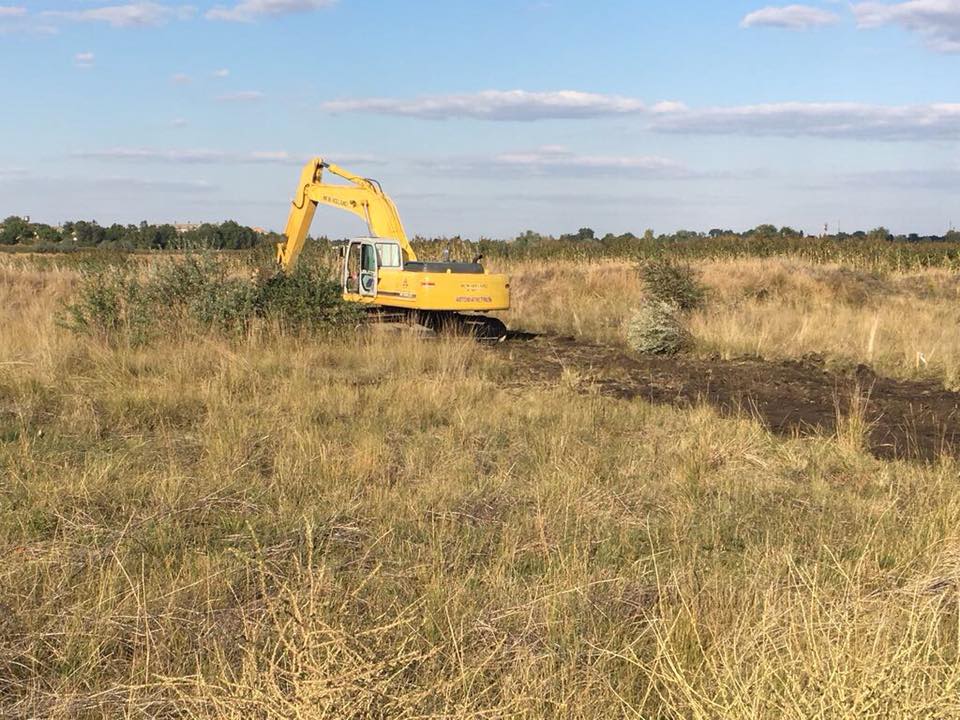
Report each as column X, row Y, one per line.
column 761, row 232
column 230, row 235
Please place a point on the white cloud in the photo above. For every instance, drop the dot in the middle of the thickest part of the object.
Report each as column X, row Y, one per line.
column 202, row 156
column 559, row 161
column 196, row 156
column 936, row 21
column 249, row 10
column 241, row 96
column 137, row 14
column 16, row 19
column 849, row 120
column 115, row 184
column 179, row 122
column 9, row 173
column 84, row 59
column 829, row 120
column 668, row 106
column 790, row 17
column 495, row 105
column 910, row 179
column 180, row 79
column 555, row 159
column 222, row 73
column 139, row 183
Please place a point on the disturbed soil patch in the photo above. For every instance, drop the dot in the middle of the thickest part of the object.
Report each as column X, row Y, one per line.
column 909, row 418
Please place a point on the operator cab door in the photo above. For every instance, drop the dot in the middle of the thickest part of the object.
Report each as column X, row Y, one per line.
column 360, row 268
column 368, row 269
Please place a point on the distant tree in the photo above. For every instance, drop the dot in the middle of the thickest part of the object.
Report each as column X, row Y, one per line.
column 15, row 229
column 765, row 231
column 528, row 237
column 583, row 234
column 206, row 237
column 46, row 234
column 879, row 233
column 234, row 236
column 114, row 235
column 88, row 233
column 166, row 237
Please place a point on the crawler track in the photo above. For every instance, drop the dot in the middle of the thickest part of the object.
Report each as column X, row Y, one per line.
column 482, row 327
column 909, row 419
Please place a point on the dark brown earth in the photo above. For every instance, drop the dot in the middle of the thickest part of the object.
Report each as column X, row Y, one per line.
column 909, row 419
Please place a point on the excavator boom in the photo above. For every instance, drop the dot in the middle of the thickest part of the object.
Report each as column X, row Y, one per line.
column 362, row 197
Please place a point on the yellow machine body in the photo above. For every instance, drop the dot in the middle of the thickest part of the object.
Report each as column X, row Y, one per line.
column 383, row 269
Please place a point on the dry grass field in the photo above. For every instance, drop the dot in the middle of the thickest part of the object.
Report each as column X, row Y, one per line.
column 375, row 525
column 904, row 324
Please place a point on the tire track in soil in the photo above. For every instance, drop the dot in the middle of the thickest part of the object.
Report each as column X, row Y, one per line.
column 910, row 419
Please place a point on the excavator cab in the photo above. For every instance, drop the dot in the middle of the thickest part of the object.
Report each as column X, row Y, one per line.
column 362, row 260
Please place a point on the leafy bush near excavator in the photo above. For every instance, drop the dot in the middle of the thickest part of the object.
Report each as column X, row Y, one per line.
column 659, row 325
column 669, row 281
column 202, row 292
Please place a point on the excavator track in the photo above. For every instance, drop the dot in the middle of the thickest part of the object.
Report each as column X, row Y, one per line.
column 481, row 327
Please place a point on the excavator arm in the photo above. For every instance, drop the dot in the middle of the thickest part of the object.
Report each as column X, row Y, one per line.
column 362, row 197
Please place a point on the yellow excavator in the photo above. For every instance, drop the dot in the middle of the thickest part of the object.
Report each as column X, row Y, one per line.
column 382, row 270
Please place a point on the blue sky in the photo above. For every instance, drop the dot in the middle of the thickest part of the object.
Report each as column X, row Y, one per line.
column 487, row 118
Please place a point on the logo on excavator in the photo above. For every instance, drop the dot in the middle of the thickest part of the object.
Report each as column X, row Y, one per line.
column 338, row 201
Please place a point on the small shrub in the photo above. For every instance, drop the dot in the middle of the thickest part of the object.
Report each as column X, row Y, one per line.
column 672, row 282
column 109, row 300
column 658, row 328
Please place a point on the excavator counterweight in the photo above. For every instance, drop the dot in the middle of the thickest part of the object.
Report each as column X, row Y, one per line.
column 382, row 270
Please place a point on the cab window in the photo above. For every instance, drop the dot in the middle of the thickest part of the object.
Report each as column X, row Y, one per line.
column 389, row 255
column 369, row 259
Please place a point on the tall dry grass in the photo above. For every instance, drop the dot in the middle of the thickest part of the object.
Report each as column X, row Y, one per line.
column 378, row 526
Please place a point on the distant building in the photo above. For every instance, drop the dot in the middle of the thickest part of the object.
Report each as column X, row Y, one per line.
column 260, row 230
column 182, row 228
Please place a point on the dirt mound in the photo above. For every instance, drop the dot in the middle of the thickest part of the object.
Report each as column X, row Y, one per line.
column 909, row 419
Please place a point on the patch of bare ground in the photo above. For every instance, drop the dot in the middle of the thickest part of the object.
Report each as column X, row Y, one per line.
column 903, row 419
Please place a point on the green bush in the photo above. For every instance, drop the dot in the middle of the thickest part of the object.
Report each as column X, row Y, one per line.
column 306, row 298
column 107, row 301
column 673, row 282
column 658, row 328
column 201, row 292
